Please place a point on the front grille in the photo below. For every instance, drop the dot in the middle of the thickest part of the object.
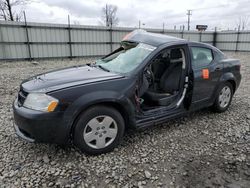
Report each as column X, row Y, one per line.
column 21, row 97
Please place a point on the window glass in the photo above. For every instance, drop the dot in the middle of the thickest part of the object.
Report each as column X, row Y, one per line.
column 201, row 57
column 218, row 55
column 126, row 60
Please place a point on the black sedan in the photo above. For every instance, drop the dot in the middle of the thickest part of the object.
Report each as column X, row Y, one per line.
column 150, row 79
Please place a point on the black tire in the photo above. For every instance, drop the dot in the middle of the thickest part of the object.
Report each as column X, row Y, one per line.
column 86, row 117
column 217, row 107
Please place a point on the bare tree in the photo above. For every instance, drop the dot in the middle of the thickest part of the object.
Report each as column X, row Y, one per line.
column 76, row 22
column 109, row 15
column 7, row 12
column 242, row 22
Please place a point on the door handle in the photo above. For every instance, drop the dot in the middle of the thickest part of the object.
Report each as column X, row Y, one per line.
column 218, row 69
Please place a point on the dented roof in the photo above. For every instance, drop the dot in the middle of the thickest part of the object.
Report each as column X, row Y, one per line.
column 153, row 39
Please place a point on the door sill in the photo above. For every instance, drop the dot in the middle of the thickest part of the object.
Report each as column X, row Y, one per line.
column 146, row 121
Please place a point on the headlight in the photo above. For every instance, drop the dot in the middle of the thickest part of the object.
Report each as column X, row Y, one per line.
column 41, row 102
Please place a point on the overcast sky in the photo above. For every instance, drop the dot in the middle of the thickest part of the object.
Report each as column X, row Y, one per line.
column 221, row 13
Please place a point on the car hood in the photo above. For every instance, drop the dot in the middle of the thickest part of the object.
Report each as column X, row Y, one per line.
column 66, row 77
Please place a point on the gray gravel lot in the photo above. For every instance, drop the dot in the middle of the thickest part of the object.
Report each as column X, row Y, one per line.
column 202, row 150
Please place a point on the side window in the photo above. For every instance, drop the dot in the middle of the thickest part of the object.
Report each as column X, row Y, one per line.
column 218, row 56
column 201, row 57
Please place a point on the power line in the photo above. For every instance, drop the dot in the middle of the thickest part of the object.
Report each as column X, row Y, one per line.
column 214, row 18
column 219, row 6
column 204, row 8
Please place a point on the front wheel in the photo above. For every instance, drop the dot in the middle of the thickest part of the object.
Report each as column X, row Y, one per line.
column 99, row 130
column 223, row 98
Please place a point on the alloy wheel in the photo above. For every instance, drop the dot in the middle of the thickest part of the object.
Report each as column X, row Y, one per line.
column 224, row 97
column 100, row 132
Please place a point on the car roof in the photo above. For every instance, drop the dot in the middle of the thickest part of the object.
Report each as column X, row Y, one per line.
column 201, row 44
column 154, row 39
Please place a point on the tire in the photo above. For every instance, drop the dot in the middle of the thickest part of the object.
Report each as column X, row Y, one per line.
column 98, row 130
column 223, row 97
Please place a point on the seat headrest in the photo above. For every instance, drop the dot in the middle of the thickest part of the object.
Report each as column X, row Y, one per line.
column 175, row 54
column 166, row 54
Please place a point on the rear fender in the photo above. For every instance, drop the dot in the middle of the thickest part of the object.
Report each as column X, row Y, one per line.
column 224, row 78
column 227, row 76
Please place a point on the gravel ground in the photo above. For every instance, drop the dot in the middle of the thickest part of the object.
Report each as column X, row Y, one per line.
column 202, row 150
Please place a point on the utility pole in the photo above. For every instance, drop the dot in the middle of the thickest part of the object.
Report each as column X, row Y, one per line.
column 163, row 27
column 141, row 24
column 189, row 13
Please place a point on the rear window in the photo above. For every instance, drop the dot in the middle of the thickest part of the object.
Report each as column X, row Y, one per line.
column 218, row 55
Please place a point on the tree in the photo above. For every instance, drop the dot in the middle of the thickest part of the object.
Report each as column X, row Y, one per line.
column 109, row 15
column 7, row 12
column 242, row 22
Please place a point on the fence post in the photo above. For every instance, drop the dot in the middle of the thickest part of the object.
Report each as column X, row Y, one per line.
column 182, row 32
column 27, row 36
column 237, row 40
column 215, row 37
column 70, row 43
column 111, row 39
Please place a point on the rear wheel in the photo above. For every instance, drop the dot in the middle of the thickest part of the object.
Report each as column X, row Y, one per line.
column 98, row 130
column 223, row 98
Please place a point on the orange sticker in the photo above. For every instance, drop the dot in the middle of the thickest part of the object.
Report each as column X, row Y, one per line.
column 205, row 73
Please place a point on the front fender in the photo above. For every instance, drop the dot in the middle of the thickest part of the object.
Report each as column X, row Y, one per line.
column 83, row 102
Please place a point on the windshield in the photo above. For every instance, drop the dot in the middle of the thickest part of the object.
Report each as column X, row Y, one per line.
column 126, row 59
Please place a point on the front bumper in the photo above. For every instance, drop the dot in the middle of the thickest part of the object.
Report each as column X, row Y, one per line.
column 36, row 126
column 22, row 135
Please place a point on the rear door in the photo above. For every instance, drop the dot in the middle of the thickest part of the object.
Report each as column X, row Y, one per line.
column 206, row 73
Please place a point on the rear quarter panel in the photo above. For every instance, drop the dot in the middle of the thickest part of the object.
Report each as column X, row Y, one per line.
column 232, row 71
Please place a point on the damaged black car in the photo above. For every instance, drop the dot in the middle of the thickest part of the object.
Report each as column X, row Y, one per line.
column 150, row 79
